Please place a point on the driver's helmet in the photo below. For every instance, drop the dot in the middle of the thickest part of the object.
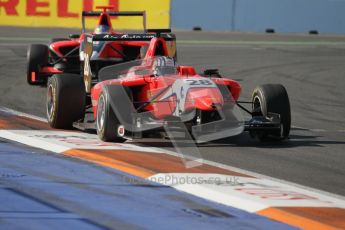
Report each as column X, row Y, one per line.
column 102, row 29
column 164, row 66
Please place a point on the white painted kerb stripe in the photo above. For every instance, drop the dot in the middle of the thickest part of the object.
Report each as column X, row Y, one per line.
column 60, row 141
column 250, row 194
column 38, row 143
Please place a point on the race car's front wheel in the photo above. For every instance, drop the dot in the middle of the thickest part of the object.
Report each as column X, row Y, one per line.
column 37, row 56
column 107, row 124
column 273, row 98
column 65, row 100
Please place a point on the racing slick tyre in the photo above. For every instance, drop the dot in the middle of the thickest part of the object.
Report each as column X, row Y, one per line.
column 37, row 56
column 65, row 100
column 108, row 126
column 273, row 98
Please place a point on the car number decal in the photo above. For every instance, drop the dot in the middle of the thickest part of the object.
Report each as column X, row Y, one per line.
column 199, row 82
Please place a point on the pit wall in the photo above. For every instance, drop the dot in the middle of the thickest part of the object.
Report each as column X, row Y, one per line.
column 296, row 16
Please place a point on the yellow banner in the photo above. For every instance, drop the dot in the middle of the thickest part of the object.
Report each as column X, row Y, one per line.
column 67, row 13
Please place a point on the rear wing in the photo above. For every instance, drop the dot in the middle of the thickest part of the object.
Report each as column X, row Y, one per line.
column 113, row 13
column 89, row 39
column 130, row 37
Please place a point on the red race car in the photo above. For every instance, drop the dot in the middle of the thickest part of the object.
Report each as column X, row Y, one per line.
column 63, row 55
column 155, row 95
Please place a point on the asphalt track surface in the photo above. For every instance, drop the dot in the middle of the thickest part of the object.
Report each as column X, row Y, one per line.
column 310, row 67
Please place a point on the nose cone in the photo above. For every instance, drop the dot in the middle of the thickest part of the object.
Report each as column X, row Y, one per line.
column 206, row 99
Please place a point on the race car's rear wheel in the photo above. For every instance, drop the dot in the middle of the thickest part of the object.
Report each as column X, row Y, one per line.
column 37, row 56
column 273, row 98
column 65, row 100
column 108, row 125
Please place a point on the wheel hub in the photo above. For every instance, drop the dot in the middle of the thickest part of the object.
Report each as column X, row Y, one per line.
column 50, row 101
column 100, row 113
column 121, row 131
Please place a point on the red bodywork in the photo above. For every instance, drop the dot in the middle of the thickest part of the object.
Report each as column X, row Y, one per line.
column 67, row 51
column 104, row 19
column 144, row 87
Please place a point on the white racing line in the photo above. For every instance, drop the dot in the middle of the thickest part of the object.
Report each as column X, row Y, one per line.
column 252, row 193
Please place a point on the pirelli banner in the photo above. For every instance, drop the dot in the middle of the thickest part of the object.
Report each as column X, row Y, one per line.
column 67, row 13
